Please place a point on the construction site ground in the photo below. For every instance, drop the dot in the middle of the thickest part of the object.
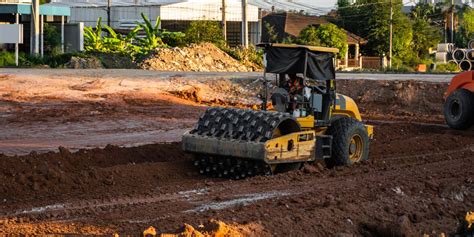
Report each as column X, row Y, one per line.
column 98, row 152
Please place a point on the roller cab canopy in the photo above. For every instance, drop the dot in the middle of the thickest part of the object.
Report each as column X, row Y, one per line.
column 316, row 63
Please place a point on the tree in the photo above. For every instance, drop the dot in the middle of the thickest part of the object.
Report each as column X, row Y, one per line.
column 425, row 35
column 331, row 36
column 354, row 17
column 52, row 39
column 379, row 31
column 328, row 35
column 467, row 23
column 309, row 36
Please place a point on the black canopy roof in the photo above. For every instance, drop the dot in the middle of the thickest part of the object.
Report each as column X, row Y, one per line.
column 290, row 59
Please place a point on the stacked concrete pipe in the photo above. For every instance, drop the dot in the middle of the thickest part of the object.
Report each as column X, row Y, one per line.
column 464, row 57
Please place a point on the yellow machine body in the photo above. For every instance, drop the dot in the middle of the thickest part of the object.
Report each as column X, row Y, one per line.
column 304, row 142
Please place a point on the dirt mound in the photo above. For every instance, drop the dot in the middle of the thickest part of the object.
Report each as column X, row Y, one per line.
column 213, row 228
column 204, row 57
column 46, row 175
column 413, row 100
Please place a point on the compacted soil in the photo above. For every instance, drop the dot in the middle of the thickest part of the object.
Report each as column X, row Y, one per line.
column 93, row 157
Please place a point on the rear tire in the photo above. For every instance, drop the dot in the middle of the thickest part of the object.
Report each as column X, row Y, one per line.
column 350, row 142
column 459, row 109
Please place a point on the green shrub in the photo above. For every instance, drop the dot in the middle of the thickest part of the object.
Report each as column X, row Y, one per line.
column 152, row 39
column 204, row 31
column 7, row 59
column 52, row 39
column 309, row 36
column 174, row 39
column 447, row 67
column 328, row 35
column 53, row 61
column 250, row 54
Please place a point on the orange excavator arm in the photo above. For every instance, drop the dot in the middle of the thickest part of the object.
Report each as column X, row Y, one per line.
column 463, row 80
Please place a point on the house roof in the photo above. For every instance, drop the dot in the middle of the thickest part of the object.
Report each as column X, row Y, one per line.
column 291, row 24
column 45, row 9
column 296, row 22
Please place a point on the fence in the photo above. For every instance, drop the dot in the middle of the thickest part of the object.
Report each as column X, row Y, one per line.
column 371, row 62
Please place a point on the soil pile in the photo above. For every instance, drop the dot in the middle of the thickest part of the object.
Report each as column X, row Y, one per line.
column 213, row 228
column 47, row 175
column 412, row 100
column 204, row 57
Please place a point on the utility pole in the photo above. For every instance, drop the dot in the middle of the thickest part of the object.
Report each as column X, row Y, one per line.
column 35, row 29
column 224, row 23
column 245, row 32
column 452, row 21
column 391, row 35
column 109, row 3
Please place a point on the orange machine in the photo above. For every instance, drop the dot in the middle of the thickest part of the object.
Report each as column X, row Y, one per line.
column 459, row 103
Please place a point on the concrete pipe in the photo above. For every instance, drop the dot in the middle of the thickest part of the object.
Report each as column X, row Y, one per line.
column 471, row 44
column 470, row 55
column 459, row 55
column 465, row 65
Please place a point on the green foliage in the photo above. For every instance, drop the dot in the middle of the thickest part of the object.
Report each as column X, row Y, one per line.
column 309, row 36
column 93, row 37
column 413, row 35
column 131, row 45
column 52, row 39
column 250, row 54
column 152, row 39
column 328, row 35
column 117, row 43
column 466, row 29
column 114, row 43
column 7, row 59
column 53, row 61
column 204, row 31
column 447, row 67
column 331, row 36
column 354, row 17
column 174, row 39
column 424, row 34
column 380, row 31
column 468, row 22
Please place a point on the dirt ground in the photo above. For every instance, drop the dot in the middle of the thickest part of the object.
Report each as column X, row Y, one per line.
column 119, row 167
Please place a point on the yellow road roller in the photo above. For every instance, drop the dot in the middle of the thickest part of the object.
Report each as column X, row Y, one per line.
column 301, row 119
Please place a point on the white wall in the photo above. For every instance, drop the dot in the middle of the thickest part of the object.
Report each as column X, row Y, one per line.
column 207, row 10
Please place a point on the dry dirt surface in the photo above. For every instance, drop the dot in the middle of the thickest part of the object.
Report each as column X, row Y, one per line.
column 419, row 178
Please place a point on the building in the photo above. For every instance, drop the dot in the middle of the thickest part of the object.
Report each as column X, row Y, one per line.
column 175, row 15
column 19, row 12
column 289, row 25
